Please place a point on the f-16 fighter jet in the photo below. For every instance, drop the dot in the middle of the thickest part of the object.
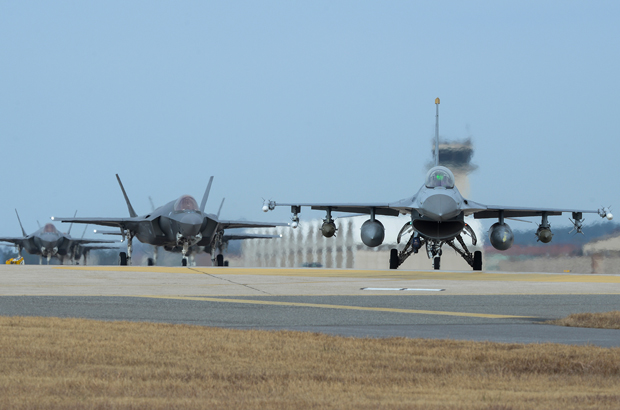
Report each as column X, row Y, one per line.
column 437, row 213
column 179, row 225
column 48, row 242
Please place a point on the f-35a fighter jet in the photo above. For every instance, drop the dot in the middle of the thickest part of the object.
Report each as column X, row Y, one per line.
column 437, row 213
column 179, row 225
column 48, row 242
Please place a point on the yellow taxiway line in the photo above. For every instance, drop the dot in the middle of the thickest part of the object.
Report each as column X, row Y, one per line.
column 345, row 307
column 358, row 273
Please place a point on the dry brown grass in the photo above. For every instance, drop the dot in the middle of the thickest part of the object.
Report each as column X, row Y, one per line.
column 607, row 320
column 50, row 363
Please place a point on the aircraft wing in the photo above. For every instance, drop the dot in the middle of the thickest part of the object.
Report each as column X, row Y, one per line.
column 115, row 222
column 405, row 206
column 82, row 242
column 249, row 236
column 100, row 232
column 95, row 247
column 380, row 208
column 249, row 224
column 16, row 241
column 493, row 211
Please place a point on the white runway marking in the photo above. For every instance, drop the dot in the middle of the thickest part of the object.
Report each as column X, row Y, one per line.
column 398, row 289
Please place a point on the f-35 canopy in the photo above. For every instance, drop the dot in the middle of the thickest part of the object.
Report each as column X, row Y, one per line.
column 186, row 203
column 50, row 228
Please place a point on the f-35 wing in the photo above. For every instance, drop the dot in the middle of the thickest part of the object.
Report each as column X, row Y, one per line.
column 82, row 242
column 114, row 222
column 15, row 241
column 248, row 224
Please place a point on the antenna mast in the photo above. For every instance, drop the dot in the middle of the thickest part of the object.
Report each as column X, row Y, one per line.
column 437, row 132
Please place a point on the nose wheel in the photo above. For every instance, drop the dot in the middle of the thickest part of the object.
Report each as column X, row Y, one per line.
column 436, row 262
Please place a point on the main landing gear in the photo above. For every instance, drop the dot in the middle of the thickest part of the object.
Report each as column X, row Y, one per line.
column 124, row 259
column 434, row 251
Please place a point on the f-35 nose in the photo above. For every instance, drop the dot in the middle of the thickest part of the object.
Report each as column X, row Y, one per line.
column 190, row 224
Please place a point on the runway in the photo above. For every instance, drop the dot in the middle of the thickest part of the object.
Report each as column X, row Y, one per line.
column 455, row 305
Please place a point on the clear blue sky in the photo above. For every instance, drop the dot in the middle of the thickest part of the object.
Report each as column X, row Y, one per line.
column 302, row 101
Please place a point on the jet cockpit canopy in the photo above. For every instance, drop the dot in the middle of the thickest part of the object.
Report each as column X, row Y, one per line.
column 49, row 228
column 439, row 177
column 186, row 203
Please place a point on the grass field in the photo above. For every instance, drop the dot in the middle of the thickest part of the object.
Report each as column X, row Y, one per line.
column 607, row 320
column 50, row 363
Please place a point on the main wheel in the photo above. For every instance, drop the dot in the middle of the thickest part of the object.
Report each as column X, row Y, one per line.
column 477, row 260
column 436, row 262
column 220, row 260
column 122, row 259
column 184, row 261
column 394, row 258
column 150, row 262
column 225, row 263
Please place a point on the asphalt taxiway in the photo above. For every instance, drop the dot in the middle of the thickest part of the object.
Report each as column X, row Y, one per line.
column 360, row 303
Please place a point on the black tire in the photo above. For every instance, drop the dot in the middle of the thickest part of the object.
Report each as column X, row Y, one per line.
column 122, row 259
column 220, row 260
column 436, row 262
column 225, row 263
column 150, row 262
column 477, row 260
column 184, row 262
column 394, row 258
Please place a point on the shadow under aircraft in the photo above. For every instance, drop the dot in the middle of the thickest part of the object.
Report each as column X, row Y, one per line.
column 178, row 226
column 437, row 213
column 48, row 242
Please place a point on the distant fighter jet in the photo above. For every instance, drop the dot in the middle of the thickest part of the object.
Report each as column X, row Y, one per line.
column 83, row 250
column 48, row 242
column 178, row 226
column 437, row 213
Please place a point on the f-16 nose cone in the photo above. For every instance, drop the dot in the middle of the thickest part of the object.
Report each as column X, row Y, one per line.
column 189, row 224
column 440, row 207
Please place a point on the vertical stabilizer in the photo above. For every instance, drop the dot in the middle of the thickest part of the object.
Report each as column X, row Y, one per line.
column 132, row 213
column 84, row 233
column 220, row 210
column 71, row 224
column 20, row 223
column 206, row 196
column 437, row 131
